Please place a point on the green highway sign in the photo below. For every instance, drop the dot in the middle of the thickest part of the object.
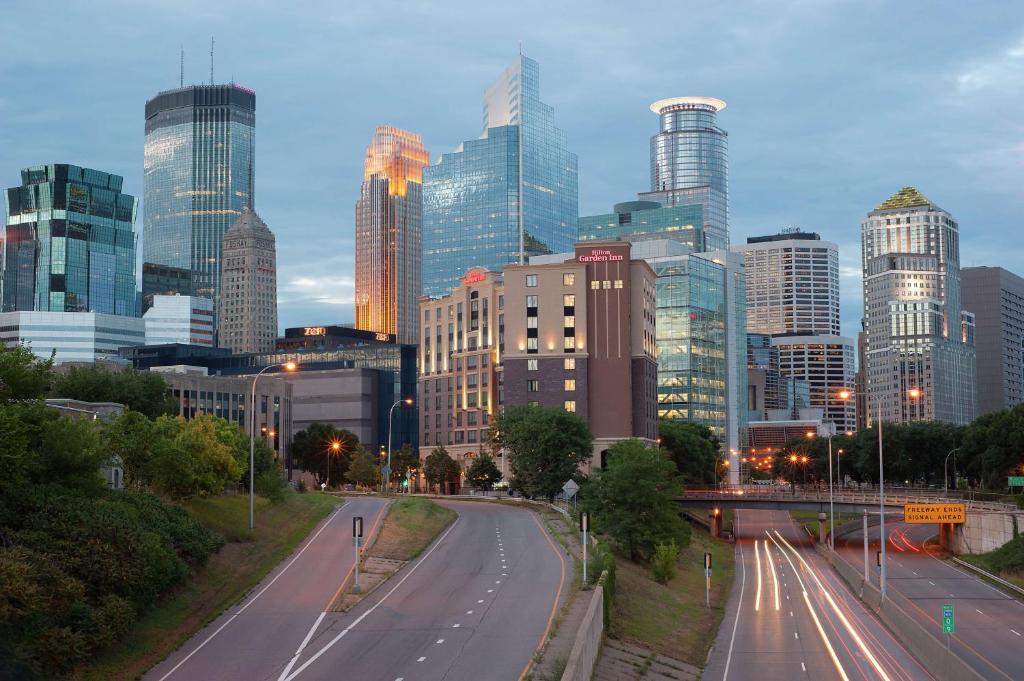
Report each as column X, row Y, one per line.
column 1016, row 481
column 947, row 619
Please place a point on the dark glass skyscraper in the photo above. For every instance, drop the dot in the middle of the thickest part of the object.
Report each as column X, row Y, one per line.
column 690, row 162
column 199, row 160
column 472, row 213
column 69, row 244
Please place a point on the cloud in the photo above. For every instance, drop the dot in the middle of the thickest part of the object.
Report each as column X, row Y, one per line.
column 329, row 289
column 1004, row 70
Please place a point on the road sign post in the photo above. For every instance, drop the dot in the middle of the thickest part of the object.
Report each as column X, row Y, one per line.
column 357, row 540
column 569, row 489
column 584, row 528
column 707, row 579
column 948, row 625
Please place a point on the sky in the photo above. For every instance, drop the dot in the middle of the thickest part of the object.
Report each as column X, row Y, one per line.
column 832, row 105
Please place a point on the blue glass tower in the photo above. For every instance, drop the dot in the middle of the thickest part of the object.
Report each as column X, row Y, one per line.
column 472, row 212
column 198, row 176
column 69, row 244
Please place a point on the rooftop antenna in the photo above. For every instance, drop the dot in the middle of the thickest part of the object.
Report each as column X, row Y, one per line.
column 520, row 48
column 211, row 60
column 181, row 71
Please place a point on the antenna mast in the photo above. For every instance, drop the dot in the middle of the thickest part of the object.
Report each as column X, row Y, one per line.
column 181, row 68
column 211, row 60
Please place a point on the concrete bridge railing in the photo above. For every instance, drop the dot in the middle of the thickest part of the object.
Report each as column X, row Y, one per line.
column 816, row 495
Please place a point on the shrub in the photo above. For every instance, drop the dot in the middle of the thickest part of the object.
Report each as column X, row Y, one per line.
column 663, row 564
column 269, row 484
column 300, row 486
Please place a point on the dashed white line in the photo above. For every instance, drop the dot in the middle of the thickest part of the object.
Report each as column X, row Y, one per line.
column 497, row 581
column 931, row 582
column 978, row 611
column 480, row 600
column 490, row 591
column 455, row 626
column 440, row 640
column 1015, row 631
column 469, row 612
column 421, row 659
column 790, row 613
column 796, row 635
column 803, row 666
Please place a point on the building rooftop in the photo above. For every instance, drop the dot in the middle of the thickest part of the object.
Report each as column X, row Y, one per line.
column 908, row 197
column 662, row 105
column 249, row 222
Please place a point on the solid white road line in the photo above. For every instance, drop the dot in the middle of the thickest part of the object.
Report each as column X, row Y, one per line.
column 757, row 555
column 739, row 607
column 253, row 600
column 1015, row 631
column 301, row 647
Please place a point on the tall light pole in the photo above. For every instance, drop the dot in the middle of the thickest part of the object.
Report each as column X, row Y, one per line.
column 408, row 402
column 287, row 366
column 831, row 505
column 945, row 476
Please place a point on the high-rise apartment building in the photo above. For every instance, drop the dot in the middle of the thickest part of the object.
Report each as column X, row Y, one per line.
column 690, row 162
column 501, row 198
column 389, row 222
column 792, row 284
column 996, row 297
column 198, row 177
column 642, row 220
column 826, row 363
column 918, row 363
column 179, row 319
column 69, row 242
column 248, row 289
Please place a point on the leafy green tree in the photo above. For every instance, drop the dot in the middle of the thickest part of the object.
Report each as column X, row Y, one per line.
column 313, row 451
column 483, row 473
column 545, row 446
column 441, row 470
column 632, row 500
column 403, row 460
column 142, row 391
column 23, row 376
column 993, row 447
column 693, row 448
column 363, row 470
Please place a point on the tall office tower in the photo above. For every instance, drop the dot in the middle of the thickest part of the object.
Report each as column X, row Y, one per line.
column 826, row 363
column 248, row 288
column 69, row 244
column 198, row 176
column 918, row 363
column 690, row 162
column 792, row 284
column 644, row 220
column 996, row 297
column 501, row 198
column 389, row 220
column 179, row 319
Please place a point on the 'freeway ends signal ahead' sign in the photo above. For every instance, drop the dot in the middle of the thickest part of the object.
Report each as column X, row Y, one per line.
column 934, row 513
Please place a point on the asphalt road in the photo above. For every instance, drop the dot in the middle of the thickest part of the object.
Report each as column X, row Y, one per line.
column 475, row 605
column 814, row 628
column 989, row 632
column 264, row 630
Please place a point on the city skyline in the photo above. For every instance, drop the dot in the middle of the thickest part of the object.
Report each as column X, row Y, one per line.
column 821, row 184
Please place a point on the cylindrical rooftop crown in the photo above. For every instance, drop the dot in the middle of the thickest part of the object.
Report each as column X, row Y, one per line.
column 676, row 103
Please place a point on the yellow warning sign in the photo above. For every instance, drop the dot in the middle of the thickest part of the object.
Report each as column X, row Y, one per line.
column 934, row 513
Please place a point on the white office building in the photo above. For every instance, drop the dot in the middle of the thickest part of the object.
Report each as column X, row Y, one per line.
column 826, row 363
column 179, row 319
column 71, row 336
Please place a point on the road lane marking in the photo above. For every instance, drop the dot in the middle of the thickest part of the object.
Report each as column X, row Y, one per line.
column 757, row 555
column 440, row 640
column 376, row 605
column 497, row 581
column 455, row 626
column 1015, row 631
column 421, row 659
column 739, row 606
column 469, row 612
column 771, row 566
column 803, row 666
column 978, row 611
column 490, row 591
column 931, row 582
column 302, row 646
column 796, row 635
column 790, row 613
column 558, row 595
column 269, row 584
column 480, row 601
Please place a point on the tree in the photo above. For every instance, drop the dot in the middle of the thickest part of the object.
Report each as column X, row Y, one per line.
column 441, row 469
column 545, row 446
column 313, row 451
column 402, row 461
column 993, row 447
column 363, row 470
column 632, row 500
column 693, row 448
column 142, row 391
column 483, row 473
column 23, row 376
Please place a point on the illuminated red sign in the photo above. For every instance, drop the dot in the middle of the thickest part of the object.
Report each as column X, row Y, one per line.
column 474, row 277
column 601, row 255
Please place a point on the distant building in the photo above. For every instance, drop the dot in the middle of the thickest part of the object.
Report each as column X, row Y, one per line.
column 69, row 244
column 642, row 220
column 199, row 167
column 71, row 336
column 771, row 395
column 826, row 363
column 690, row 162
column 248, row 290
column 179, row 319
column 918, row 365
column 996, row 297
column 504, row 197
column 162, row 280
column 389, row 224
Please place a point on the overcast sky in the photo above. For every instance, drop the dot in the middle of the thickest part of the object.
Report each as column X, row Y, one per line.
column 832, row 106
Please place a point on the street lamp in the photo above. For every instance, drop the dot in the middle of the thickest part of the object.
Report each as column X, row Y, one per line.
column 334, row 448
column 387, row 471
column 831, row 504
column 287, row 366
column 945, row 477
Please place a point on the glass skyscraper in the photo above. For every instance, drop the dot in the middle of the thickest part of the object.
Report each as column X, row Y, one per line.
column 198, row 164
column 644, row 220
column 472, row 212
column 389, row 222
column 690, row 162
column 69, row 244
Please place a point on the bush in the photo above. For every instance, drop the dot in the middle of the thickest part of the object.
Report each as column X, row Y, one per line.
column 301, row 487
column 1008, row 557
column 663, row 564
column 269, row 484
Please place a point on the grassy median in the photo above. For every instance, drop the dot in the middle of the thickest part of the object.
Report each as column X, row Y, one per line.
column 671, row 619
column 809, row 520
column 243, row 561
column 410, row 526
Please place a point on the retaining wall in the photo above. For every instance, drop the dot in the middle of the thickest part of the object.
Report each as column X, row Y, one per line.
column 587, row 645
column 984, row 532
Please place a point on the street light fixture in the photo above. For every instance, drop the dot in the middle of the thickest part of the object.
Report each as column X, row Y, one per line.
column 407, row 402
column 287, row 366
column 334, row 448
column 945, row 476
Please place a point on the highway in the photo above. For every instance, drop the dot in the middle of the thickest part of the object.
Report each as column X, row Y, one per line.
column 476, row 604
column 790, row 616
column 989, row 632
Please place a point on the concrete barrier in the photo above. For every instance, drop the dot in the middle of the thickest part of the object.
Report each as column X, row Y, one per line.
column 587, row 645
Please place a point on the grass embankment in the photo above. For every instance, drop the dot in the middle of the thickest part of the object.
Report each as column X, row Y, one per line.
column 410, row 526
column 243, row 561
column 671, row 619
column 1007, row 561
column 809, row 520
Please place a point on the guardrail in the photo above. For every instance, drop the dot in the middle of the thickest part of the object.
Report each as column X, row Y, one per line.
column 866, row 498
column 988, row 575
